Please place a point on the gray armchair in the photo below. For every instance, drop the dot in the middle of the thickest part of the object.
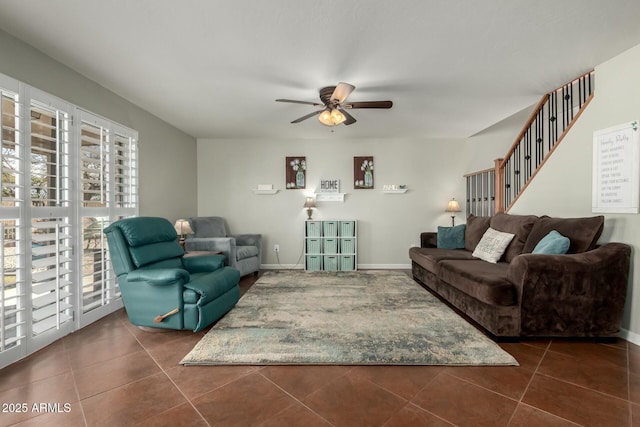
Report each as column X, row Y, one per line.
column 242, row 251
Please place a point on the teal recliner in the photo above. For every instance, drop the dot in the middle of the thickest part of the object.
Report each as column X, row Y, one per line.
column 160, row 287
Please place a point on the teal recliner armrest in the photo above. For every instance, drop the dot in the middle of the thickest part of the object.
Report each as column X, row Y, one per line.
column 160, row 276
column 150, row 293
column 203, row 264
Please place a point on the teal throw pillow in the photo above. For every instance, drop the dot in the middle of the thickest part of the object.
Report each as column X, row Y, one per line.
column 553, row 243
column 451, row 237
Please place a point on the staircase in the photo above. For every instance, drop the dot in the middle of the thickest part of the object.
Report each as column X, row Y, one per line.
column 496, row 189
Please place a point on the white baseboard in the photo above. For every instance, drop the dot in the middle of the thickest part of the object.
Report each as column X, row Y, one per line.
column 281, row 267
column 384, row 266
column 360, row 267
column 630, row 336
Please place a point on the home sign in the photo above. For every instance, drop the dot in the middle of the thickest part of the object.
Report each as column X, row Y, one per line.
column 329, row 186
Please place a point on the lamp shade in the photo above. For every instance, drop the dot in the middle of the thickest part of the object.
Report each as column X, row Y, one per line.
column 182, row 227
column 453, row 206
column 310, row 202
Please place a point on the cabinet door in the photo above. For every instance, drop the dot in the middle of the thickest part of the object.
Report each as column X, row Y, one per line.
column 313, row 262
column 347, row 228
column 330, row 245
column 314, row 228
column 348, row 245
column 330, row 228
column 347, row 262
column 331, row 262
column 314, row 245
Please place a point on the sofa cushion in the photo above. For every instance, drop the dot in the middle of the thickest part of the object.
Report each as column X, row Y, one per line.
column 553, row 243
column 451, row 237
column 428, row 258
column 583, row 233
column 475, row 229
column 492, row 245
column 519, row 225
column 243, row 252
column 481, row 280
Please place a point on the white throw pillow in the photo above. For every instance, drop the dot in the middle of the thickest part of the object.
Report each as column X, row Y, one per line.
column 492, row 245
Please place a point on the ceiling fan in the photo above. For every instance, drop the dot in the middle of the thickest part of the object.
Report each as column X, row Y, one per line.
column 334, row 107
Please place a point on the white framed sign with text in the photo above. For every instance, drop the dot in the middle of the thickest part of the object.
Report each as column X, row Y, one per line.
column 616, row 166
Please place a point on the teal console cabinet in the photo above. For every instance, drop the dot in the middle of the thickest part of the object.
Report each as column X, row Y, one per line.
column 330, row 245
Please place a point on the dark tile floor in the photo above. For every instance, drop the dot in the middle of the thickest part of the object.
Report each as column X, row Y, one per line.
column 114, row 374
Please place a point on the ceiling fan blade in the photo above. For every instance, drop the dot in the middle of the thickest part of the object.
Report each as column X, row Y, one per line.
column 341, row 92
column 315, row 113
column 369, row 104
column 349, row 118
column 299, row 102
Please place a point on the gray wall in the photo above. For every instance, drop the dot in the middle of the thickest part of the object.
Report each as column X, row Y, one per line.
column 167, row 156
column 388, row 223
column 563, row 186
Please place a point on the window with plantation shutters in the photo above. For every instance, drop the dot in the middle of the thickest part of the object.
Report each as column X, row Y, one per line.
column 12, row 279
column 11, row 151
column 12, row 321
column 50, row 141
column 108, row 157
column 51, row 273
column 94, row 146
column 99, row 283
column 50, row 240
column 125, row 171
column 66, row 175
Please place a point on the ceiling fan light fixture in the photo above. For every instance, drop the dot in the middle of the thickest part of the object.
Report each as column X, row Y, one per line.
column 335, row 110
column 331, row 118
column 325, row 118
column 337, row 117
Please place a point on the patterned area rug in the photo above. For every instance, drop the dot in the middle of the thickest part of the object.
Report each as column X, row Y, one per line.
column 343, row 318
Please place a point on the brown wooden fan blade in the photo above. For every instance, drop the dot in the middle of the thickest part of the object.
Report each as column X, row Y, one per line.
column 349, row 118
column 315, row 104
column 341, row 92
column 315, row 113
column 369, row 104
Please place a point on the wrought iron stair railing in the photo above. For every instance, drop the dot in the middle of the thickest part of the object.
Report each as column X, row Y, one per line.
column 547, row 126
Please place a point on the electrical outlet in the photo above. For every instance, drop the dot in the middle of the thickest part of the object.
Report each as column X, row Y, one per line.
column 276, row 248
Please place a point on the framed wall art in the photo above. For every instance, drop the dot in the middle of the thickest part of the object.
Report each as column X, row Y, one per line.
column 616, row 169
column 363, row 172
column 295, row 172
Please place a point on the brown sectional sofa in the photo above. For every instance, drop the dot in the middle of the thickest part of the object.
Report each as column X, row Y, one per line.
column 578, row 294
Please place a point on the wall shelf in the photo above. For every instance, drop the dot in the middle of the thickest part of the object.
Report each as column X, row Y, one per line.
column 400, row 191
column 330, row 197
column 256, row 191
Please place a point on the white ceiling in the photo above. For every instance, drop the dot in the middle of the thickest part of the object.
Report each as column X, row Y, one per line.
column 214, row 68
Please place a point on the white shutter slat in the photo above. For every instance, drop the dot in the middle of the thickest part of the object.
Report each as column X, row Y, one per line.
column 48, row 299
column 49, row 274
column 49, row 310
column 47, row 237
column 48, row 286
column 49, row 261
column 48, row 323
column 48, row 249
